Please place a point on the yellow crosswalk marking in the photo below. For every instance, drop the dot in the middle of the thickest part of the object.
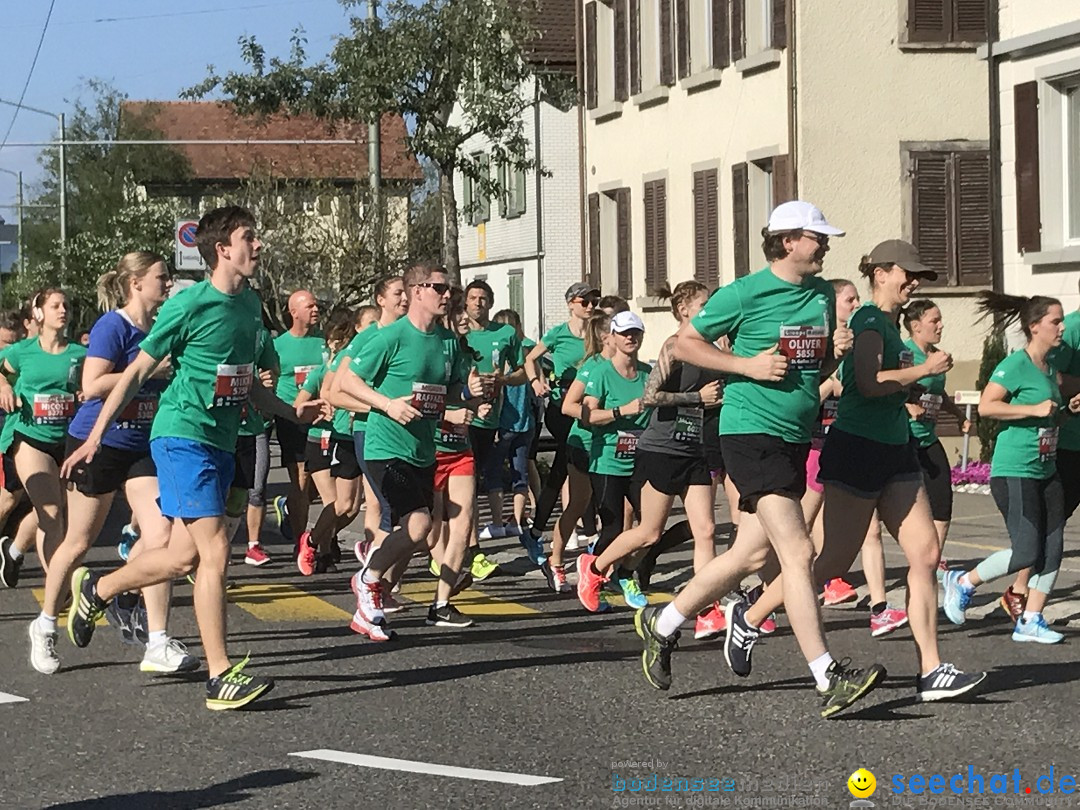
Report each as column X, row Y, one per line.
column 61, row 620
column 655, row 598
column 469, row 601
column 284, row 603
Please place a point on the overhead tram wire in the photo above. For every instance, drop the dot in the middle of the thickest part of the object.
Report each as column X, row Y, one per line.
column 26, row 84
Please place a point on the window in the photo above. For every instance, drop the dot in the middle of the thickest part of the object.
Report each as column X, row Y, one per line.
column 511, row 192
column 475, row 202
column 706, row 229
column 1070, row 124
column 655, row 236
column 757, row 187
column 950, row 214
column 516, row 287
column 757, row 25
column 947, row 21
column 606, row 52
column 610, row 263
column 758, row 19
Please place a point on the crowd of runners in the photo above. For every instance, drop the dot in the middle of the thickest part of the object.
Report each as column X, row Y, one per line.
column 804, row 405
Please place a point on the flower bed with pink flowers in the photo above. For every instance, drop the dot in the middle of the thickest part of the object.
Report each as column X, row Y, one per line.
column 976, row 478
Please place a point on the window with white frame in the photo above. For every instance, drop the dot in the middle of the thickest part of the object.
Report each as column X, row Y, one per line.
column 511, row 192
column 758, row 25
column 1070, row 137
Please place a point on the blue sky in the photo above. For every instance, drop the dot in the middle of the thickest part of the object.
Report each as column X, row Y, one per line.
column 148, row 49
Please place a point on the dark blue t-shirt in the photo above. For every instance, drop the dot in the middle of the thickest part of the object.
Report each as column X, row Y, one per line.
column 116, row 339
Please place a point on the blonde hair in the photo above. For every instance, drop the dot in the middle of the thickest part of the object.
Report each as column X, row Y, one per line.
column 114, row 286
column 596, row 328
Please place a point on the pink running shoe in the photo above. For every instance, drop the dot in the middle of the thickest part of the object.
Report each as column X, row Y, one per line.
column 589, row 583
column 307, row 556
column 837, row 592
column 256, row 556
column 887, row 621
column 710, row 624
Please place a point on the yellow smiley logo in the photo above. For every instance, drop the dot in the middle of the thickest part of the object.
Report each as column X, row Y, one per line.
column 862, row 784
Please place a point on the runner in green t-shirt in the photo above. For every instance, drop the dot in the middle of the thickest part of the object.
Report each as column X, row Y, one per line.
column 1023, row 394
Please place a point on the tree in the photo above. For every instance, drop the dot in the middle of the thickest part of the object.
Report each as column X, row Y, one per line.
column 417, row 62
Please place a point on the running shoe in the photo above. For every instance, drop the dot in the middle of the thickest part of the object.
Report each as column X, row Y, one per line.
column 167, row 658
column 140, row 629
column 369, row 598
column 740, row 639
column 43, row 655
column 389, row 603
column 280, row 506
column 1036, row 630
column 256, row 555
column 128, row 536
column 434, row 568
column 534, row 546
column 573, row 542
column 9, row 566
column 558, row 580
column 942, row 567
column 308, row 555
column 957, row 597
column 512, row 530
column 656, row 657
column 709, row 624
column 888, row 620
column 447, row 616
column 335, row 550
column 362, row 551
column 233, row 689
column 768, row 625
column 325, row 564
column 837, row 592
column 465, row 579
column 632, row 593
column 376, row 631
column 1013, row 603
column 120, row 614
column 589, row 583
column 847, row 684
column 87, row 607
column 481, row 567
column 492, row 532
column 945, row 682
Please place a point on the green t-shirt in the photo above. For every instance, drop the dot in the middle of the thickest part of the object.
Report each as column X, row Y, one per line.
column 451, row 438
column 924, row 429
column 351, row 353
column 581, row 436
column 1066, row 359
column 401, row 361
column 46, row 386
column 312, row 384
column 613, row 446
column 252, row 421
column 212, row 338
column 299, row 357
column 342, row 424
column 566, row 353
column 498, row 347
column 1026, row 448
column 757, row 312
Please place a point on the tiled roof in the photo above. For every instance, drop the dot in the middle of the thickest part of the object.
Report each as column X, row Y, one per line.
column 555, row 46
column 211, row 120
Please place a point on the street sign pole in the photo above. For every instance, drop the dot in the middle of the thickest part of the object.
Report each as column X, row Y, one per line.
column 968, row 399
column 188, row 258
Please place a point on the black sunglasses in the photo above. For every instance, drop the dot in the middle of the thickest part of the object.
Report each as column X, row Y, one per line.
column 820, row 238
column 588, row 300
column 439, row 287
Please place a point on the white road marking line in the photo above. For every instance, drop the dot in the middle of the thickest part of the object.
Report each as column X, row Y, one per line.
column 409, row 766
column 7, row 698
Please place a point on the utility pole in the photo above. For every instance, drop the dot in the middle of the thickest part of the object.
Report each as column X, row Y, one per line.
column 19, row 206
column 374, row 146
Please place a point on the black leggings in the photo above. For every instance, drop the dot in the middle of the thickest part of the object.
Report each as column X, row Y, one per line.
column 559, row 426
column 1034, row 513
column 1068, row 466
column 610, row 492
column 937, row 477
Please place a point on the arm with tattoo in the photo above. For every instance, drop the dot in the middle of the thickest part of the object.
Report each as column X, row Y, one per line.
column 653, row 396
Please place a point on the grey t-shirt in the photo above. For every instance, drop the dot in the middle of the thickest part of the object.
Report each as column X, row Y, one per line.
column 682, row 430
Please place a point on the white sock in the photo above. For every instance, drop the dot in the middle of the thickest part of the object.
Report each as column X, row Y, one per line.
column 438, row 605
column 157, row 638
column 46, row 622
column 232, row 524
column 669, row 620
column 253, row 543
column 965, row 583
column 15, row 552
column 818, row 668
column 1030, row 615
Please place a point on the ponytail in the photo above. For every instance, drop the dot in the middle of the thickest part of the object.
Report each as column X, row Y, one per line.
column 684, row 291
column 595, row 329
column 114, row 287
column 1010, row 309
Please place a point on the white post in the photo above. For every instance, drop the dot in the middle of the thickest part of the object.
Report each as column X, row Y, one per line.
column 967, row 439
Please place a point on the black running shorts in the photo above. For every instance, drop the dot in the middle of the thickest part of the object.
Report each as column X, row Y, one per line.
column 760, row 464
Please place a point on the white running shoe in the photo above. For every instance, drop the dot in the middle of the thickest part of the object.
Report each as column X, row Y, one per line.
column 172, row 656
column 573, row 543
column 43, row 655
column 492, row 532
column 376, row 631
column 369, row 598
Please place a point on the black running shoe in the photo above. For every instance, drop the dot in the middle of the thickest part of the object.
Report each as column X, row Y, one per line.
column 120, row 613
column 9, row 566
column 656, row 657
column 739, row 638
column 847, row 684
column 447, row 616
column 87, row 607
column 946, row 682
column 545, row 569
column 233, row 689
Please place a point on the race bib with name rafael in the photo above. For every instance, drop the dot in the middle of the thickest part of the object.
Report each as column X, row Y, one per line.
column 232, row 385
column 931, row 405
column 138, row 414
column 626, row 444
column 300, row 374
column 804, row 346
column 826, row 416
column 1048, row 440
column 429, row 399
column 53, row 409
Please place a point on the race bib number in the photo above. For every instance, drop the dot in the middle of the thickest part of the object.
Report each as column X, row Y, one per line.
column 826, row 416
column 626, row 444
column 688, row 425
column 906, row 359
column 53, row 409
column 1048, row 438
column 804, row 346
column 324, row 442
column 453, row 435
column 931, row 405
column 139, row 414
column 300, row 374
column 233, row 384
column 429, row 399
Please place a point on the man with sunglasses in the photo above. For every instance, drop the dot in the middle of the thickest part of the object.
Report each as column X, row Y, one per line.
column 413, row 372
column 781, row 321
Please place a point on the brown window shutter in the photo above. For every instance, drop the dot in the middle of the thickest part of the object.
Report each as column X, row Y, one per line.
column 738, row 29
column 974, row 232
column 781, row 180
column 706, row 229
column 635, row 46
column 682, row 37
column 969, row 21
column 655, row 235
column 650, row 236
column 595, row 275
column 929, row 20
column 590, row 57
column 740, row 216
column 932, row 213
column 1028, row 205
column 779, row 24
column 623, row 243
column 721, row 37
column 622, row 75
column 667, row 46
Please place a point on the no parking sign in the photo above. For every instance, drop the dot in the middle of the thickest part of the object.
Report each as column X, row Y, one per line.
column 187, row 255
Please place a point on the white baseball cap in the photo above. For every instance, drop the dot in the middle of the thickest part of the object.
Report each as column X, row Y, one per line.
column 799, row 215
column 625, row 321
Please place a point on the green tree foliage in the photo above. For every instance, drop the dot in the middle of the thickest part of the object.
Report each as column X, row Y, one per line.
column 417, row 61
column 993, row 352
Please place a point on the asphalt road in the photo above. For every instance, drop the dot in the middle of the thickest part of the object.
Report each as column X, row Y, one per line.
column 547, row 697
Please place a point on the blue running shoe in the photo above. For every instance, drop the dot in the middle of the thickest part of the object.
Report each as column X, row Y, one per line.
column 1036, row 630
column 534, row 546
column 281, row 515
column 957, row 597
column 632, row 593
column 128, row 536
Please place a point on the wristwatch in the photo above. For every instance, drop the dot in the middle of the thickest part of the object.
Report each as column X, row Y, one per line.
column 617, row 413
